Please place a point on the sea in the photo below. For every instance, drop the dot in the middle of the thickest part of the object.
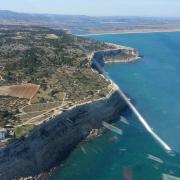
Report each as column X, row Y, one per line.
column 153, row 85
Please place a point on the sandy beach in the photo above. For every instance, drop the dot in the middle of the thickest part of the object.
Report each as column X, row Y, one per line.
column 135, row 31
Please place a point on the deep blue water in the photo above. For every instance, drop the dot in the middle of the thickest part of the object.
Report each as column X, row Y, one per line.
column 153, row 84
column 154, row 81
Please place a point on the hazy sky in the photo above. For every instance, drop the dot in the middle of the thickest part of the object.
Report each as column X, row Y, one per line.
column 96, row 7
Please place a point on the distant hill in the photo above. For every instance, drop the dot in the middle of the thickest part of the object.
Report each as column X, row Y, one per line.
column 5, row 14
column 81, row 24
column 69, row 22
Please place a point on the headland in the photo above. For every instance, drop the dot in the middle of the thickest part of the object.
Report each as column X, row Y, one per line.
column 55, row 135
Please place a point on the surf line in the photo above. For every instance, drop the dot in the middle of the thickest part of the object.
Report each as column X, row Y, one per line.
column 134, row 110
column 142, row 120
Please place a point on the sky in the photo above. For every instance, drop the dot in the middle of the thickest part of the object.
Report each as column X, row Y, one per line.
column 168, row 8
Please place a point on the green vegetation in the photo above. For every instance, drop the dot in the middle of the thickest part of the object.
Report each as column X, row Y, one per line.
column 122, row 57
column 56, row 61
column 23, row 130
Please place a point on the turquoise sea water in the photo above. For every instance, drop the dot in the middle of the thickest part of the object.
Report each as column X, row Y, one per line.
column 153, row 84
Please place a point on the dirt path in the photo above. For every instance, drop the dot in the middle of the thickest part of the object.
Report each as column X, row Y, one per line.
column 2, row 69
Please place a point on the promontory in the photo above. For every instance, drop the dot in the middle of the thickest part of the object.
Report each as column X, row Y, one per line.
column 51, row 96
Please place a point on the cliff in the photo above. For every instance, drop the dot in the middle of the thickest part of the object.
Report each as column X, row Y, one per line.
column 120, row 54
column 50, row 143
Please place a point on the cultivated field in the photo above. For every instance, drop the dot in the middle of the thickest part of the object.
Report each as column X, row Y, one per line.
column 26, row 91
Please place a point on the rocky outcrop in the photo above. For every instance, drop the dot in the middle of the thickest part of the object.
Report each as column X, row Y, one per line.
column 106, row 56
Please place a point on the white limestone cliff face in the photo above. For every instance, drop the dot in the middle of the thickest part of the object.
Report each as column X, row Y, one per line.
column 105, row 56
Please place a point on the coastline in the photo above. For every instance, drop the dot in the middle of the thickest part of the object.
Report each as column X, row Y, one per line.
column 55, row 139
column 144, row 31
column 131, row 106
column 85, row 118
column 95, row 132
column 104, row 57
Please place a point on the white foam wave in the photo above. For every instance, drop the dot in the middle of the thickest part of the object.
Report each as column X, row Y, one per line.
column 135, row 111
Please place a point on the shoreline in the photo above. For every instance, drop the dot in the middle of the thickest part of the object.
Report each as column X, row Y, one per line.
column 112, row 103
column 133, row 109
column 94, row 133
column 98, row 132
column 146, row 31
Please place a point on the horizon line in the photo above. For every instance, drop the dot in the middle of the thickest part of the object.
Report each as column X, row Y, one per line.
column 97, row 16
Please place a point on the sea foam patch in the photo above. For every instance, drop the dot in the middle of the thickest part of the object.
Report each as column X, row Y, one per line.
column 170, row 177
